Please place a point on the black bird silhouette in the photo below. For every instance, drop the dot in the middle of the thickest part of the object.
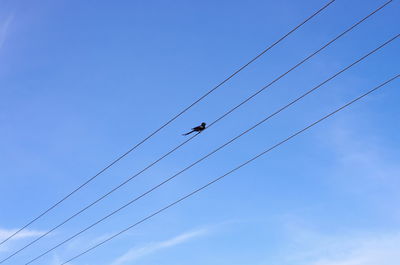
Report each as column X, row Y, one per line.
column 197, row 129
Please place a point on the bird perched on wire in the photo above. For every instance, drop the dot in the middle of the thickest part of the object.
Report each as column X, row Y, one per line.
column 197, row 129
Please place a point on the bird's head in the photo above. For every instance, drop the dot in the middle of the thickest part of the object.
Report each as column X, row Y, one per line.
column 203, row 124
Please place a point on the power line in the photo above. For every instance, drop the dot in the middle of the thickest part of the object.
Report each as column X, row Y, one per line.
column 230, row 172
column 224, row 115
column 167, row 123
column 216, row 150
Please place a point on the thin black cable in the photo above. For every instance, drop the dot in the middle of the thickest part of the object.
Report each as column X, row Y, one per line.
column 231, row 171
column 167, row 123
column 230, row 111
column 214, row 151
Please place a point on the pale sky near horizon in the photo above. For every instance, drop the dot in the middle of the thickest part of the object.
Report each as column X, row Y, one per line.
column 83, row 81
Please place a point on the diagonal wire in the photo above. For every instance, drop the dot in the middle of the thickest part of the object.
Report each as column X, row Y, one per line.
column 224, row 115
column 230, row 172
column 216, row 150
column 167, row 123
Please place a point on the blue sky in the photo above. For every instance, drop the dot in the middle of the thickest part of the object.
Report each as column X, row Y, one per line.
column 82, row 81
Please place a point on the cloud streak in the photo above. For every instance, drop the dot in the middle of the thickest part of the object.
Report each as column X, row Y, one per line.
column 5, row 233
column 136, row 253
column 4, row 27
column 305, row 245
column 381, row 249
column 57, row 261
column 363, row 152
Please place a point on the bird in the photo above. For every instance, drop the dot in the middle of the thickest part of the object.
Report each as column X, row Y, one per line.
column 198, row 129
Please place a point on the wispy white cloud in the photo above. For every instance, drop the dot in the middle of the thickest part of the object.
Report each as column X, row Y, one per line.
column 364, row 152
column 368, row 249
column 57, row 261
column 138, row 252
column 4, row 27
column 363, row 162
column 307, row 243
column 5, row 233
column 80, row 243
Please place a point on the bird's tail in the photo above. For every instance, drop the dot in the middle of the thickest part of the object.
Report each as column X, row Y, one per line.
column 187, row 133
